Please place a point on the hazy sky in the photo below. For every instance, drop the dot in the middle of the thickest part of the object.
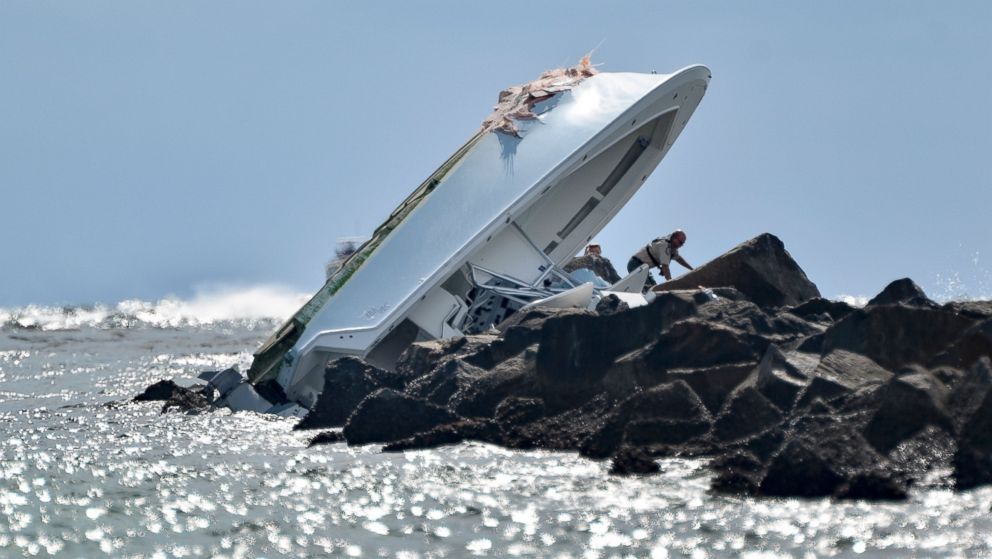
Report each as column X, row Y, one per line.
column 148, row 148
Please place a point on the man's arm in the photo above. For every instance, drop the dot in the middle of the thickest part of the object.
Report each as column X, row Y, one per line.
column 665, row 271
column 682, row 261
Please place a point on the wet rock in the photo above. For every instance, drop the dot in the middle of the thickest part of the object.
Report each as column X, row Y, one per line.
column 747, row 412
column 761, row 269
column 737, row 472
column 189, row 400
column 655, row 432
column 387, row 415
column 347, row 381
column 515, row 411
column 177, row 398
column 566, row 430
column 907, row 403
column 903, row 291
column 445, row 381
column 327, row 437
column 514, row 377
column 973, row 461
column 874, row 486
column 450, row 433
column 633, row 461
column 161, row 390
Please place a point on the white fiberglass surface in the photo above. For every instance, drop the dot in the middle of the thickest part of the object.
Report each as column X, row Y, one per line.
column 485, row 184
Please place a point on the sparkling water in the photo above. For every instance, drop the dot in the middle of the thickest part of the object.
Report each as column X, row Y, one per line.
column 86, row 473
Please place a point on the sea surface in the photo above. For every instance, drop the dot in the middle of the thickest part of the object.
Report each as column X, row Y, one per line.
column 85, row 472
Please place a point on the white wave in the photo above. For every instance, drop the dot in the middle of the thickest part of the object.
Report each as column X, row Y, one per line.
column 854, row 300
column 209, row 305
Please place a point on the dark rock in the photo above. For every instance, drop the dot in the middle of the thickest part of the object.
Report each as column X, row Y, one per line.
column 929, row 451
column 840, row 374
column 908, row 403
column 973, row 461
column 714, row 384
column 514, row 377
column 450, row 433
column 902, row 291
column 161, row 390
column 633, row 461
column 747, row 412
column 799, row 471
column 177, row 397
column 977, row 310
column 874, row 486
column 515, row 411
column 819, row 457
column 387, row 415
column 445, row 381
column 692, row 343
column 673, row 400
column 327, row 437
column 611, row 304
column 969, row 391
column 761, row 269
column 664, row 432
column 895, row 336
column 347, row 381
column 566, row 430
column 779, row 379
column 737, row 472
column 818, row 306
column 599, row 265
column 189, row 400
column 973, row 344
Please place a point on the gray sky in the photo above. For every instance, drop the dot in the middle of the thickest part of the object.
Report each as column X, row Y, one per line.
column 147, row 148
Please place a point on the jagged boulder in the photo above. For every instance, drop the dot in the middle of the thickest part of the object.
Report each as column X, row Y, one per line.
column 903, row 291
column 779, row 379
column 747, row 412
column 444, row 381
column 387, row 415
column 178, row 398
column 826, row 457
column 161, row 390
column 347, row 381
column 973, row 344
column 841, row 374
column 633, row 461
column 895, row 336
column 760, row 268
column 908, row 403
column 481, row 398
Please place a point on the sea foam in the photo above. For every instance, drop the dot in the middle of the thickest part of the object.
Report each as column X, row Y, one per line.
column 212, row 305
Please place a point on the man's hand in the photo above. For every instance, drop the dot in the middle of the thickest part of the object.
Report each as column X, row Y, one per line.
column 665, row 271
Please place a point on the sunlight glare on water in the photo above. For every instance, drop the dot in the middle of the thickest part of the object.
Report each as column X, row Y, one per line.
column 86, row 473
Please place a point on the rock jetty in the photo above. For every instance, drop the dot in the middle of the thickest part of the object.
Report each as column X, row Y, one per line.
column 740, row 361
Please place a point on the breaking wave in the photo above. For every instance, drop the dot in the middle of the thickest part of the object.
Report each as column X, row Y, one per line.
column 263, row 305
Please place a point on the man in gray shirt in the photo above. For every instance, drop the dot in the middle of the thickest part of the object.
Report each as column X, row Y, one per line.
column 659, row 253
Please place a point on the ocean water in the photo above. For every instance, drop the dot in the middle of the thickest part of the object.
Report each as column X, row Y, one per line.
column 86, row 473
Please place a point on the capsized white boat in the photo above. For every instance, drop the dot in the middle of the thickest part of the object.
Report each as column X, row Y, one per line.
column 487, row 233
